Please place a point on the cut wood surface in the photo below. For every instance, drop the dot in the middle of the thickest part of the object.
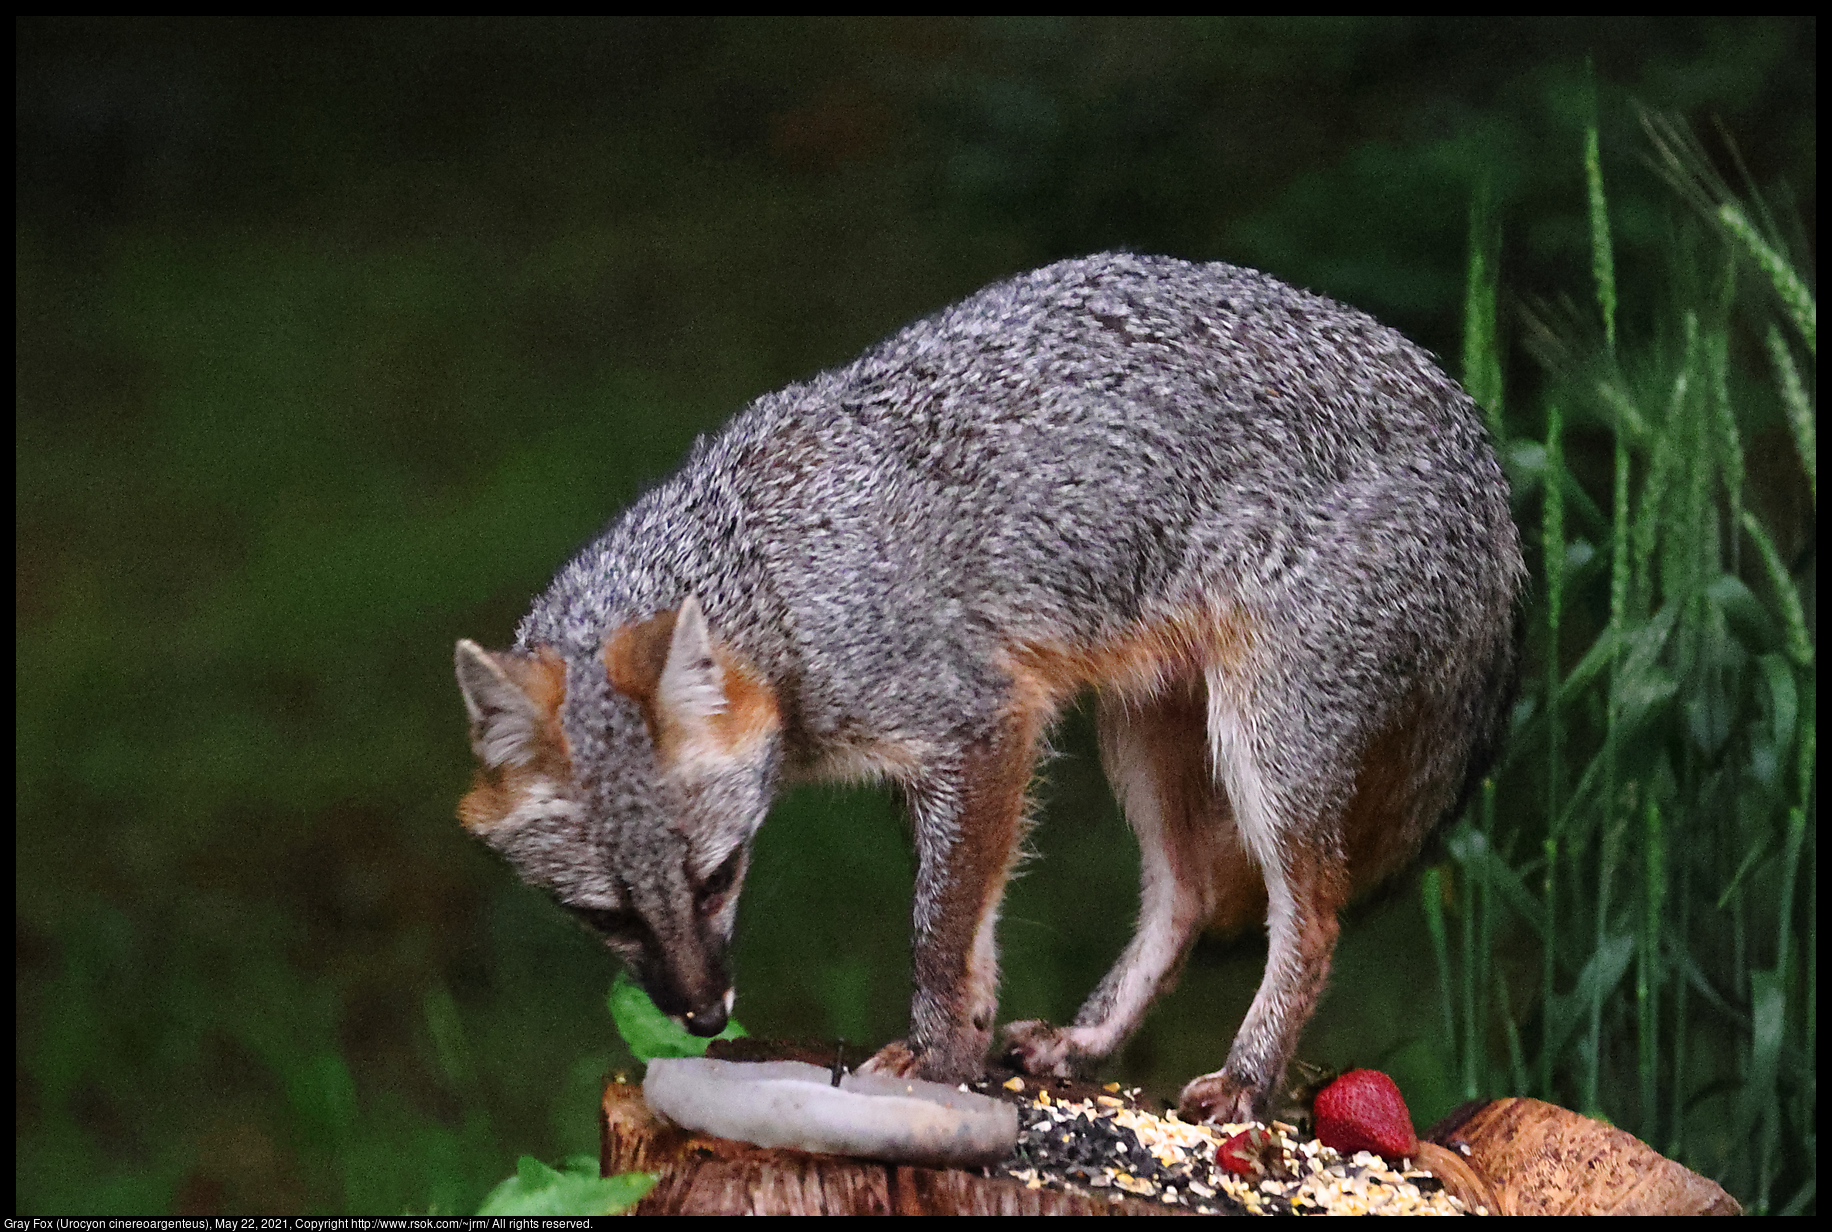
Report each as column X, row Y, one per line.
column 1533, row 1158
column 1541, row 1159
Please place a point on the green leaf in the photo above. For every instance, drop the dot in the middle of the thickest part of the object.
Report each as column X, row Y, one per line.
column 1605, row 968
column 1699, row 982
column 1482, row 865
column 1709, row 710
column 536, row 1189
column 1641, row 694
column 1784, row 700
column 1527, row 463
column 1751, row 622
column 1642, row 683
column 1646, row 640
column 1595, row 982
column 651, row 1033
column 1594, row 661
column 1581, row 803
column 323, row 1096
column 1768, row 1025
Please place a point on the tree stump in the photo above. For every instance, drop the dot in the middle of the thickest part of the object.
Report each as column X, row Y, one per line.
column 1532, row 1158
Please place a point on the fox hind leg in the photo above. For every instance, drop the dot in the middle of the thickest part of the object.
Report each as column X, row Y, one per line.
column 1193, row 870
column 1306, row 884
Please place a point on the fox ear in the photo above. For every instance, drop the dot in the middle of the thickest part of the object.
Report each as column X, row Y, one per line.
column 697, row 696
column 635, row 656
column 692, row 685
column 510, row 698
column 667, row 663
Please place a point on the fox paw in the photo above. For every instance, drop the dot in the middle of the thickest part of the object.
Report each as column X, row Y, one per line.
column 1219, row 1099
column 895, row 1060
column 1036, row 1047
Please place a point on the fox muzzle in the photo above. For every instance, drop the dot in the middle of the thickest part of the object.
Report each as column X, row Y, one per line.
column 702, row 1005
column 711, row 1020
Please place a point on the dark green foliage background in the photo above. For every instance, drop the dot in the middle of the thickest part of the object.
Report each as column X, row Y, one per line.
column 336, row 338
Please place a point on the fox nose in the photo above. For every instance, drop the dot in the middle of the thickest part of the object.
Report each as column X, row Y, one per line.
column 709, row 1020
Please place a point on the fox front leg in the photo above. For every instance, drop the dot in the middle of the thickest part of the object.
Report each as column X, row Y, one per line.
column 968, row 819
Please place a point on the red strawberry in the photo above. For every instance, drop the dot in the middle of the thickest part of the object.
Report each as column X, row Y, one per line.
column 1244, row 1153
column 1363, row 1111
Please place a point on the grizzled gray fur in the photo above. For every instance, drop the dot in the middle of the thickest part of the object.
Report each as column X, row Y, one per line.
column 1267, row 529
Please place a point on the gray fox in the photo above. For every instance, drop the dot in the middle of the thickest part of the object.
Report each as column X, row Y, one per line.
column 1267, row 530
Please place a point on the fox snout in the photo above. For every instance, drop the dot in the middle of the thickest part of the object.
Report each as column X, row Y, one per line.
column 682, row 968
column 709, row 1020
column 701, row 1005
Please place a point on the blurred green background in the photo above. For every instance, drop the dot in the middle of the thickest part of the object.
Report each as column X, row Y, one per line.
column 335, row 339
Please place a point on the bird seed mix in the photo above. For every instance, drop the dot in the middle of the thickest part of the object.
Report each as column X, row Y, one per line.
column 1103, row 1145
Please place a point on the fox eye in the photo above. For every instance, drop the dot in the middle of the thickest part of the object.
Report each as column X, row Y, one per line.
column 715, row 887
column 610, row 923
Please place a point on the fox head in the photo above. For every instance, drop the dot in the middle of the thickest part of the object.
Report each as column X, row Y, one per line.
column 629, row 786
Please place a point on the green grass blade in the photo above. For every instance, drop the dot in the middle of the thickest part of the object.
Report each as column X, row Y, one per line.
column 1602, row 255
column 1517, row 1058
column 1432, row 891
column 1793, row 616
column 1755, row 854
column 1744, row 614
column 1811, row 1031
column 1626, row 414
column 1693, row 977
column 1799, row 409
column 1481, row 348
column 1474, row 853
column 1647, row 970
column 1553, row 544
column 1808, row 751
column 1599, row 660
column 1618, row 601
column 1790, row 870
column 1682, row 567
column 1467, row 985
column 1803, row 1199
column 1646, row 535
column 1783, row 700
column 1619, row 575
column 1474, row 1047
column 1801, row 308
column 1728, row 439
